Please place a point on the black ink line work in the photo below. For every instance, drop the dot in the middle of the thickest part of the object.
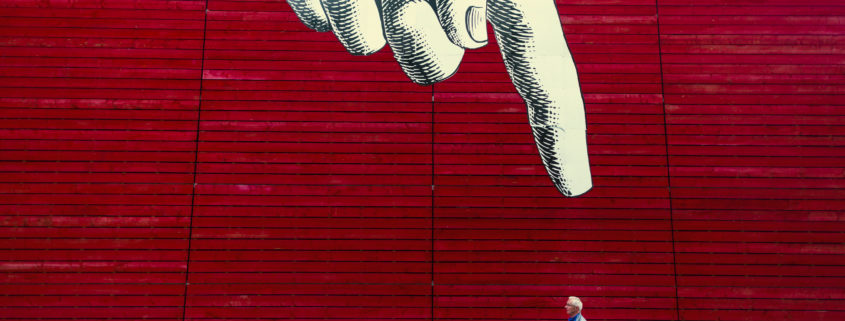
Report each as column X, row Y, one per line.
column 428, row 39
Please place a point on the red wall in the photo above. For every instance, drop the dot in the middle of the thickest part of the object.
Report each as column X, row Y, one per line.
column 164, row 160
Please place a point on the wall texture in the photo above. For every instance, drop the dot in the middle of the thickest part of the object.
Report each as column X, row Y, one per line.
column 210, row 161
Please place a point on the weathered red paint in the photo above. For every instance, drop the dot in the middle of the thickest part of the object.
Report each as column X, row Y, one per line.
column 143, row 140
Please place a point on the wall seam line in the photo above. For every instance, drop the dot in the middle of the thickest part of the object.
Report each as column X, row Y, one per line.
column 432, row 202
column 196, row 160
column 668, row 165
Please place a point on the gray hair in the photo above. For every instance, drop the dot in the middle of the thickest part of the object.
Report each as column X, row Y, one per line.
column 574, row 300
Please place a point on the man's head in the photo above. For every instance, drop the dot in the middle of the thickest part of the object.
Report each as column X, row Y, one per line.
column 573, row 306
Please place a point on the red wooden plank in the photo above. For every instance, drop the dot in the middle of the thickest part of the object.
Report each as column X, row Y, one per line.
column 23, row 280
column 322, row 278
column 58, row 11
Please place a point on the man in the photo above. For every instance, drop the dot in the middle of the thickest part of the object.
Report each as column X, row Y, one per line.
column 573, row 309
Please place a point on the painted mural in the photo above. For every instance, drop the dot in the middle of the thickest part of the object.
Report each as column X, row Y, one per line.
column 222, row 160
column 428, row 40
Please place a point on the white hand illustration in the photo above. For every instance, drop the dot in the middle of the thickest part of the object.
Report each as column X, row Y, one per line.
column 428, row 38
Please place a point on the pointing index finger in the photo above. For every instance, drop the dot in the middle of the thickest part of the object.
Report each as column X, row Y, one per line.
column 542, row 70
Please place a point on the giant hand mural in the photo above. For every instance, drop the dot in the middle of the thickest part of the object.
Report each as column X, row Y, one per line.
column 428, row 40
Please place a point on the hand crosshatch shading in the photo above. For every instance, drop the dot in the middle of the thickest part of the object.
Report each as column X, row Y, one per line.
column 220, row 160
column 428, row 41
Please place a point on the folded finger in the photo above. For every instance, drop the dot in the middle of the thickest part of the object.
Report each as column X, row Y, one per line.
column 418, row 41
column 311, row 13
column 464, row 21
column 357, row 24
column 542, row 70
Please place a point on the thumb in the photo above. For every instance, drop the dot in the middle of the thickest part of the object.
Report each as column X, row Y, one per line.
column 542, row 70
column 464, row 21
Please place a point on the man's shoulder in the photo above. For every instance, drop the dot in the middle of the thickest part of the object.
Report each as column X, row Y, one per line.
column 581, row 318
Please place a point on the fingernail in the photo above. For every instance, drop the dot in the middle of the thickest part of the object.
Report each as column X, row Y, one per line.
column 477, row 24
